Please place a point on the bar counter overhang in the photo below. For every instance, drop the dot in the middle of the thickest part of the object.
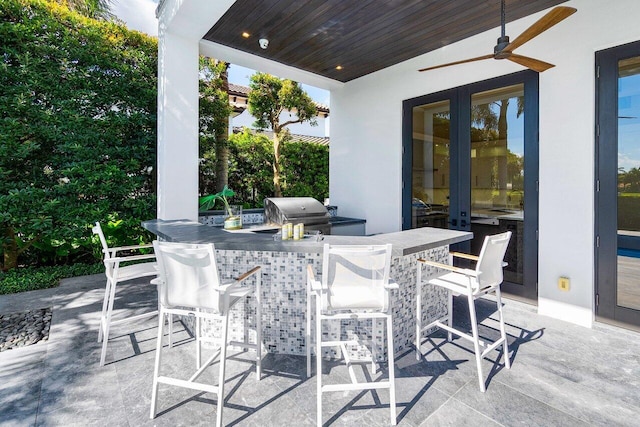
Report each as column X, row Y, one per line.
column 284, row 266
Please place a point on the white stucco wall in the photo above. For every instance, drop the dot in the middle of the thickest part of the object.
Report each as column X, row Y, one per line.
column 366, row 138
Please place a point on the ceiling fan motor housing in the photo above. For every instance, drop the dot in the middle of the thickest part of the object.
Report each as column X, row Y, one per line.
column 499, row 49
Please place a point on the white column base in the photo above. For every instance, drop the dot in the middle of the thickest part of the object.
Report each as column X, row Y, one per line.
column 569, row 313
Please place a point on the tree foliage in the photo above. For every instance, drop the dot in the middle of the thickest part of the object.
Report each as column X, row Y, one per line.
column 268, row 99
column 97, row 9
column 629, row 181
column 305, row 168
column 250, row 159
column 77, row 130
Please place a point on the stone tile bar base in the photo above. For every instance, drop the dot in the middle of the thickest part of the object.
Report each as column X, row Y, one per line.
column 284, row 302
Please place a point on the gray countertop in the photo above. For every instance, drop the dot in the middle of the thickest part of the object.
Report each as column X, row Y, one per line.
column 404, row 242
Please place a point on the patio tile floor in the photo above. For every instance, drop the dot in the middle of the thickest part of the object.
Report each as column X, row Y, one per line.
column 562, row 374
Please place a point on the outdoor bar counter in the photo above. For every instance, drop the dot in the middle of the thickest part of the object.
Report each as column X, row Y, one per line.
column 284, row 266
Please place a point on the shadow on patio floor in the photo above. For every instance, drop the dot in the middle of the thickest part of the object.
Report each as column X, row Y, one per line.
column 562, row 374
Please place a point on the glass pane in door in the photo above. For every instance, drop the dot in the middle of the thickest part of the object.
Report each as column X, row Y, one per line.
column 497, row 171
column 430, row 169
column 628, row 283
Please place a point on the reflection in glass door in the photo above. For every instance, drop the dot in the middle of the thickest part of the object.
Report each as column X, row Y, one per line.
column 466, row 150
column 497, row 171
column 431, row 171
column 628, row 283
column 618, row 185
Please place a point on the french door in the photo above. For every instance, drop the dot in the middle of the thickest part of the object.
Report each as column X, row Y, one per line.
column 471, row 163
column 618, row 185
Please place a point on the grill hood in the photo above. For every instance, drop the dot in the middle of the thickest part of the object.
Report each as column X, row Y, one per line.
column 307, row 210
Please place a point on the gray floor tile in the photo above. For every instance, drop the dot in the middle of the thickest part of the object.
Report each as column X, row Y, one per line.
column 20, row 381
column 510, row 407
column 454, row 413
column 562, row 374
column 562, row 386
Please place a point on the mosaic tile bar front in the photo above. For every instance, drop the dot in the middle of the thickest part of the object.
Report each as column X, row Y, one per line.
column 284, row 296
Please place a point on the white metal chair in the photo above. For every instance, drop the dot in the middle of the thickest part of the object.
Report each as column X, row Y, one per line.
column 485, row 279
column 355, row 285
column 189, row 285
column 115, row 274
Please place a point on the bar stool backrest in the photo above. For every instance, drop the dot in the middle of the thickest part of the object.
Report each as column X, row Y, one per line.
column 97, row 229
column 490, row 260
column 109, row 266
column 355, row 277
column 189, row 275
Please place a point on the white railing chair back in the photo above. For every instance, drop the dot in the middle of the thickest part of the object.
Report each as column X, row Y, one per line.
column 189, row 285
column 354, row 285
column 490, row 265
column 117, row 273
column 190, row 277
column 483, row 280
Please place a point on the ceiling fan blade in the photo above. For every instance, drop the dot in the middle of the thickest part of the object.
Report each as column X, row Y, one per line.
column 554, row 16
column 479, row 58
column 534, row 64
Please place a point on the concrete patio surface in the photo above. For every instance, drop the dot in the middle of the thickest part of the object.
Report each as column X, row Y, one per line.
column 562, row 374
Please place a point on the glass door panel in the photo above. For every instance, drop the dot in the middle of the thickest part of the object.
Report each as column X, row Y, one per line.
column 430, row 169
column 617, row 195
column 464, row 168
column 497, row 171
column 628, row 254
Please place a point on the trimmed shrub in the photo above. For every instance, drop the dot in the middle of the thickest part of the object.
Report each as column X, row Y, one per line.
column 78, row 131
column 33, row 278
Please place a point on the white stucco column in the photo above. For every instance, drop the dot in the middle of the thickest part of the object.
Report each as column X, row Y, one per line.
column 177, row 127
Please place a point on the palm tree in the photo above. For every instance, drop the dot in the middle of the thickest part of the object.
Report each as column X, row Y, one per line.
column 214, row 125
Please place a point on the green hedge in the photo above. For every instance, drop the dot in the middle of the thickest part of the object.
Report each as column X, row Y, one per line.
column 33, row 278
column 77, row 131
column 628, row 208
column 305, row 169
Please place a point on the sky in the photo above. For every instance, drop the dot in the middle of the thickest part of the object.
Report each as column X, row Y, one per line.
column 629, row 122
column 141, row 15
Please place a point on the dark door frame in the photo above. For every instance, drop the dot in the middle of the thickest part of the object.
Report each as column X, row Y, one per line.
column 460, row 166
column 606, row 195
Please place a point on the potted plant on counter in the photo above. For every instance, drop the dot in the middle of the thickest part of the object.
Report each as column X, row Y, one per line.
column 233, row 213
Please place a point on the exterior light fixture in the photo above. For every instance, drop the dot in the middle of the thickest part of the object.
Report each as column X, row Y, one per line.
column 245, row 34
column 264, row 43
column 339, row 67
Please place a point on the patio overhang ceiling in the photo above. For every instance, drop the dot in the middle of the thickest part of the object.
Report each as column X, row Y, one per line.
column 344, row 40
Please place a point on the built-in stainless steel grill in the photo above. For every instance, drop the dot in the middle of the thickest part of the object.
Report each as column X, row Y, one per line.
column 306, row 210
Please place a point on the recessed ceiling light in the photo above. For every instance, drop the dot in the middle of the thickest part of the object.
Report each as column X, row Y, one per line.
column 339, row 67
column 245, row 34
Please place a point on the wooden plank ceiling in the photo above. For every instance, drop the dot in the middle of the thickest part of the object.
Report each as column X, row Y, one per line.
column 361, row 36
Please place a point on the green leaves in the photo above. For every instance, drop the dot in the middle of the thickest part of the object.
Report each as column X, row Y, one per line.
column 305, row 168
column 77, row 129
column 208, row 202
column 268, row 99
column 270, row 96
column 28, row 279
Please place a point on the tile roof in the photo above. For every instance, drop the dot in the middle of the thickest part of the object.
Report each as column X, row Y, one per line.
column 243, row 91
column 321, row 140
